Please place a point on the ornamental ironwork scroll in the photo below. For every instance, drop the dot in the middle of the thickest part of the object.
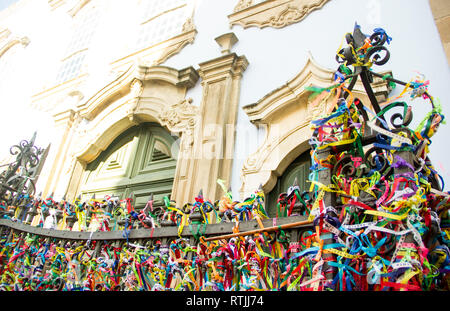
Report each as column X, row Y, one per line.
column 17, row 182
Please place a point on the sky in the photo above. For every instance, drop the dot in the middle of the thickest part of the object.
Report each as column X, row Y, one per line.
column 6, row 3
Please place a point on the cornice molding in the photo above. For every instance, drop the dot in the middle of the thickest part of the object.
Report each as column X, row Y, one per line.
column 160, row 52
column 272, row 13
column 128, row 83
column 221, row 66
column 7, row 41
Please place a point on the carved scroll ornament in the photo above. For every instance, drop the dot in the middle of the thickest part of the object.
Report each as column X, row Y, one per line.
column 275, row 13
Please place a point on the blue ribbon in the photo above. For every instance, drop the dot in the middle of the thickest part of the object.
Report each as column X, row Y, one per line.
column 382, row 32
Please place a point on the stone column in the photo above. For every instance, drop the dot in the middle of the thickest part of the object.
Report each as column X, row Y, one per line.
column 215, row 134
column 329, row 200
column 64, row 123
column 441, row 14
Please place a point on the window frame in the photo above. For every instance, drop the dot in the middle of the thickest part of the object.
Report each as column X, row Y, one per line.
column 76, row 50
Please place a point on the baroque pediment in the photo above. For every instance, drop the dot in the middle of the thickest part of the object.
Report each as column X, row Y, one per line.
column 130, row 84
column 275, row 102
column 272, row 13
column 141, row 94
column 286, row 113
column 290, row 95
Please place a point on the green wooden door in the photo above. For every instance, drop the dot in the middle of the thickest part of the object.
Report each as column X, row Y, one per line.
column 300, row 169
column 136, row 163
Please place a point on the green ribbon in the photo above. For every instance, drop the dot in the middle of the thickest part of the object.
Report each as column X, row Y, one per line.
column 197, row 234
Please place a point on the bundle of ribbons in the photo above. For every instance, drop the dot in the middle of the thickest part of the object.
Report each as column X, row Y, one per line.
column 386, row 228
column 380, row 223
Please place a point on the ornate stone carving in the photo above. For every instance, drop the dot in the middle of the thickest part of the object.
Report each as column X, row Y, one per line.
column 276, row 13
column 188, row 38
column 289, row 16
column 136, row 88
column 188, row 25
column 243, row 4
column 90, row 126
column 181, row 118
column 226, row 41
column 7, row 42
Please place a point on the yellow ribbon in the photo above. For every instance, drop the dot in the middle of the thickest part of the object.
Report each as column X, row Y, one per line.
column 316, row 204
column 339, row 142
column 360, row 184
column 330, row 188
column 387, row 215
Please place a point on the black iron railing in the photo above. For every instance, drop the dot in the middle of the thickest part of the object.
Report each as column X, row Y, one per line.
column 375, row 219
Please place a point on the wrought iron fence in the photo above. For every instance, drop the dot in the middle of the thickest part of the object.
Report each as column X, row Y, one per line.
column 375, row 217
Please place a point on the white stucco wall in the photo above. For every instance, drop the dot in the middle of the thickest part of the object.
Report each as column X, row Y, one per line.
column 34, row 66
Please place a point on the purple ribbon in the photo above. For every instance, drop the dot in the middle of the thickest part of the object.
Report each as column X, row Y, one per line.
column 402, row 163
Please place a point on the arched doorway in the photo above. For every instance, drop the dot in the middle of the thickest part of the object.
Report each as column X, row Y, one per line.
column 300, row 169
column 138, row 162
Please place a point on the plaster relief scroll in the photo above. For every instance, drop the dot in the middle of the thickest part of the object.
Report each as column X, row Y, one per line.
column 272, row 13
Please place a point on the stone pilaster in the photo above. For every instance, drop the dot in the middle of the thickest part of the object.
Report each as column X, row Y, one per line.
column 441, row 14
column 215, row 134
column 64, row 124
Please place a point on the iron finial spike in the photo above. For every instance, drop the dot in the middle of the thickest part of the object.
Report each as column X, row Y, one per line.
column 33, row 138
column 79, row 197
column 260, row 187
column 358, row 36
column 64, row 197
column 150, row 198
column 51, row 195
column 93, row 197
column 229, row 189
column 200, row 193
column 295, row 184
